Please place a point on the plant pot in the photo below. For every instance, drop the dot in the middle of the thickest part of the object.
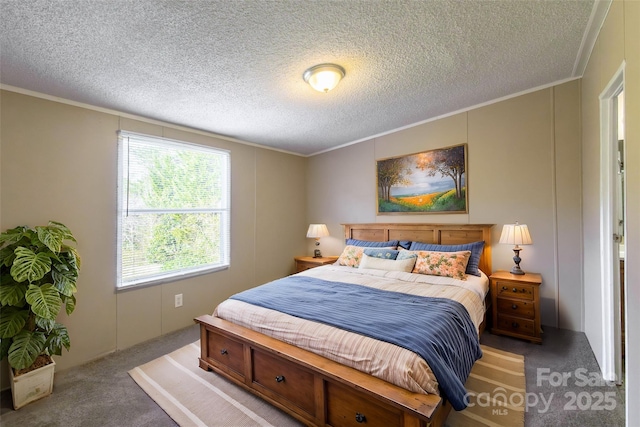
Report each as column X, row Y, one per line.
column 33, row 385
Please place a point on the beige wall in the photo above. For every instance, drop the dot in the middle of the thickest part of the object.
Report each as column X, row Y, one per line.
column 523, row 164
column 60, row 162
column 618, row 41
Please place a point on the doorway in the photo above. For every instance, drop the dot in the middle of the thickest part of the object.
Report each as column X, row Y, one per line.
column 620, row 220
column 612, row 225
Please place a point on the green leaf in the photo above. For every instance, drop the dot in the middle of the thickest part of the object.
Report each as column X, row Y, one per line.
column 76, row 257
column 31, row 236
column 62, row 229
column 45, row 324
column 7, row 255
column 12, row 320
column 12, row 294
column 70, row 304
column 30, row 266
column 45, row 300
column 67, row 261
column 13, row 235
column 64, row 281
column 58, row 338
column 26, row 347
column 52, row 237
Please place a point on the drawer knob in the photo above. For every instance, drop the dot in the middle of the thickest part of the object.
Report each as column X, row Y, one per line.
column 360, row 418
column 514, row 324
column 504, row 288
column 515, row 290
column 514, row 306
column 280, row 378
column 224, row 351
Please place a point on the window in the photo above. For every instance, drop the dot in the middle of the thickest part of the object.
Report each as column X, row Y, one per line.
column 173, row 209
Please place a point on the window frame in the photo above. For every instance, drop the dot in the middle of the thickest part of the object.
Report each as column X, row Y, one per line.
column 123, row 209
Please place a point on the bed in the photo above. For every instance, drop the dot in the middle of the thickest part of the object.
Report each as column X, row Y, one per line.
column 316, row 378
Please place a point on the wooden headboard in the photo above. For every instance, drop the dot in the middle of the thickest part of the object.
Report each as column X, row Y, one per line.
column 442, row 234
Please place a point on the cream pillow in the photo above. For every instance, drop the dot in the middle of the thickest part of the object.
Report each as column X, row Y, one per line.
column 387, row 264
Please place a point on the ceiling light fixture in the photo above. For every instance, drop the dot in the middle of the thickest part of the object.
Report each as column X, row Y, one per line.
column 324, row 77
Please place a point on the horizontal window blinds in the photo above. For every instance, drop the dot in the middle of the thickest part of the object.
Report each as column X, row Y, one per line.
column 173, row 209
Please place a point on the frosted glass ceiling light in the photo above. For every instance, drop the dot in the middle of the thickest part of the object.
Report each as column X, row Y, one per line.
column 324, row 77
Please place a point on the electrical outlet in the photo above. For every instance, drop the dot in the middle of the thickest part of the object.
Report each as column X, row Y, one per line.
column 178, row 300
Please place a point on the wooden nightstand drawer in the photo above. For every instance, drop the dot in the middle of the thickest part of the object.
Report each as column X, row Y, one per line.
column 516, row 307
column 514, row 290
column 516, row 325
column 302, row 266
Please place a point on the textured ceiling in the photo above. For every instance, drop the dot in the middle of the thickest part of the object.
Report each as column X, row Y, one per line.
column 235, row 68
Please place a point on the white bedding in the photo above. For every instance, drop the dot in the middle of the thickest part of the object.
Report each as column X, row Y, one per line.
column 383, row 360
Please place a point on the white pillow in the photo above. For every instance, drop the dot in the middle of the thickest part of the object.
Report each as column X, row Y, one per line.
column 405, row 265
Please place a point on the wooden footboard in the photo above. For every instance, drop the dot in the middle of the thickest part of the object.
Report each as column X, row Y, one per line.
column 313, row 389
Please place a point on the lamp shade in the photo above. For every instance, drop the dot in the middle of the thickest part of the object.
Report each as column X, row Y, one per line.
column 324, row 77
column 516, row 234
column 316, row 231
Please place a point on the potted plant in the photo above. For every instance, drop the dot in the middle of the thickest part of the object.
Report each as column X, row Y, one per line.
column 38, row 277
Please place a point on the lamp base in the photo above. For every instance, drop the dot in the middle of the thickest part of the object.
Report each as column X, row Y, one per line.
column 516, row 268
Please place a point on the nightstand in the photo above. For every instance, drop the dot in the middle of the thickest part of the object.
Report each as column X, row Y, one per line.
column 516, row 305
column 306, row 262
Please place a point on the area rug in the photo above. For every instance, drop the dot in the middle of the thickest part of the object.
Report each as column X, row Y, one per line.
column 194, row 397
column 496, row 388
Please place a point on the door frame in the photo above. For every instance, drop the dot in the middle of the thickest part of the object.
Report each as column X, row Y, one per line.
column 611, row 326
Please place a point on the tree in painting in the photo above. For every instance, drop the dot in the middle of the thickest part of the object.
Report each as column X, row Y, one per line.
column 392, row 172
column 448, row 162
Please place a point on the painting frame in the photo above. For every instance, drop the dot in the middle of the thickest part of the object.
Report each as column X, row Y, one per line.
column 440, row 184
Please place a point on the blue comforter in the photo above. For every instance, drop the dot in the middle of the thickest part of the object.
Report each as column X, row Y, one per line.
column 437, row 329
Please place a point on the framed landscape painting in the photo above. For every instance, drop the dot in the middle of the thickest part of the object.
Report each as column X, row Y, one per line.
column 432, row 181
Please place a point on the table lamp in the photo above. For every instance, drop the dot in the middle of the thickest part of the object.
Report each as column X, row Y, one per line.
column 516, row 234
column 316, row 231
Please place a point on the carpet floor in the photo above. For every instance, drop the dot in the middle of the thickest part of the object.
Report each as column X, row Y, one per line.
column 102, row 394
column 194, row 397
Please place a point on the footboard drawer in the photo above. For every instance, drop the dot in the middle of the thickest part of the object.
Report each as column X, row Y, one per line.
column 226, row 351
column 348, row 407
column 284, row 379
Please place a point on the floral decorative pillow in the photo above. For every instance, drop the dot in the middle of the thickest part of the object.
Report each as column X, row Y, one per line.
column 448, row 264
column 351, row 256
column 476, row 249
